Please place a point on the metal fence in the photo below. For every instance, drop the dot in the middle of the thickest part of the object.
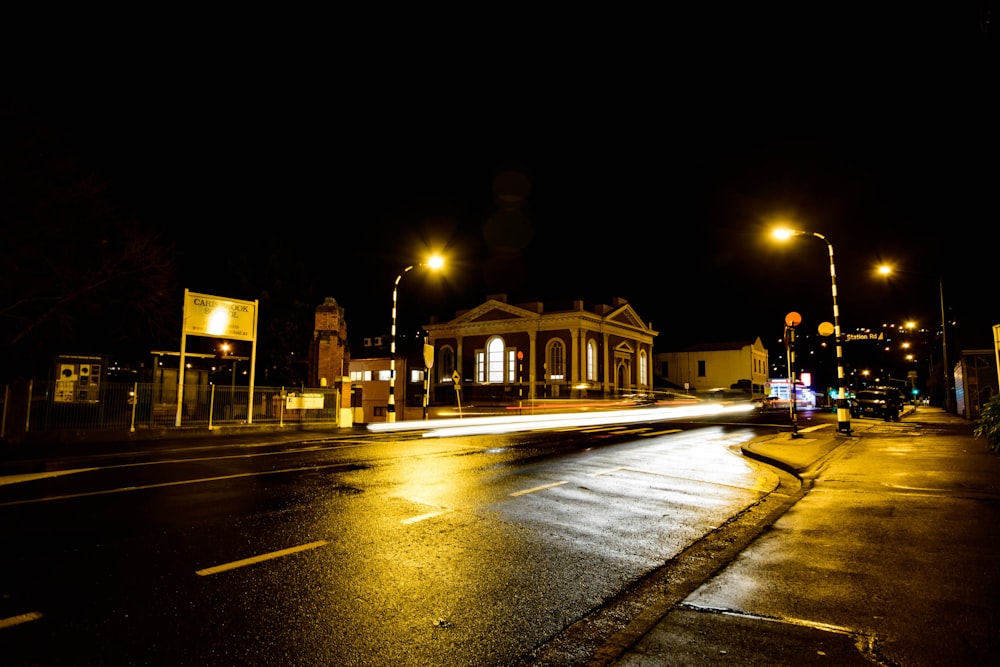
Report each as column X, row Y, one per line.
column 129, row 407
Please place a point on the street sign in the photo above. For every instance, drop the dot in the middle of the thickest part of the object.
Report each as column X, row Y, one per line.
column 456, row 378
column 875, row 335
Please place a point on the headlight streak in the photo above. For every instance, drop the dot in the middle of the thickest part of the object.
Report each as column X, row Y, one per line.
column 510, row 424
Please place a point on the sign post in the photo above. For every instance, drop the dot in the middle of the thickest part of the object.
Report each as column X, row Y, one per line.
column 457, row 381
column 217, row 317
column 428, row 365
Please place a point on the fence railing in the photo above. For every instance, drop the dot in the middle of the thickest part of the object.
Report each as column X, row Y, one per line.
column 128, row 407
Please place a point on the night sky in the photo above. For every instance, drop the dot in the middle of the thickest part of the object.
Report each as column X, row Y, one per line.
column 655, row 184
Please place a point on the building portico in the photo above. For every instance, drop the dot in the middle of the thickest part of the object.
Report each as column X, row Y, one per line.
column 504, row 352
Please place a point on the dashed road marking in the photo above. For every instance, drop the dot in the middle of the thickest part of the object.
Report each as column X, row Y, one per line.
column 258, row 559
column 423, row 517
column 537, row 488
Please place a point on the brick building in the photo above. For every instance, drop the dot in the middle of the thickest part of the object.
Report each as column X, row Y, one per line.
column 329, row 353
column 503, row 352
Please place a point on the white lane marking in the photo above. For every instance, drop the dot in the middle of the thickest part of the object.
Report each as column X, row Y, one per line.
column 537, row 488
column 11, row 479
column 611, row 471
column 810, row 429
column 166, row 484
column 11, row 621
column 27, row 477
column 258, row 559
column 423, row 517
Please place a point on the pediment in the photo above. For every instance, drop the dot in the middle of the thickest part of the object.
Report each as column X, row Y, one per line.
column 626, row 315
column 625, row 347
column 493, row 311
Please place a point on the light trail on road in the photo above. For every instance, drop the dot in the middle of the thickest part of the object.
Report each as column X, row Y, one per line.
column 510, row 424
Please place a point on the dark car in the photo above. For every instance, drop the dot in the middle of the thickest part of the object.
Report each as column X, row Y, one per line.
column 881, row 402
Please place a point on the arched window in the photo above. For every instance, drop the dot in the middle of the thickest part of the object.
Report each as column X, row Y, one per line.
column 446, row 363
column 493, row 363
column 643, row 381
column 557, row 360
column 591, row 361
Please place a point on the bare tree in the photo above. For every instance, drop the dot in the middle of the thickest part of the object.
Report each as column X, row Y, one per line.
column 76, row 275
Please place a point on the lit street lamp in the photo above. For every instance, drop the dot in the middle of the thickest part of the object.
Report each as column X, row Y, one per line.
column 949, row 404
column 434, row 262
column 843, row 412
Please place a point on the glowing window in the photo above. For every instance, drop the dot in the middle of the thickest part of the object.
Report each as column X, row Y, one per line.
column 446, row 363
column 494, row 360
column 591, row 354
column 556, row 362
column 642, row 368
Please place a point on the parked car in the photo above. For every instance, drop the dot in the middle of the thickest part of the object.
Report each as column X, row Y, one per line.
column 883, row 402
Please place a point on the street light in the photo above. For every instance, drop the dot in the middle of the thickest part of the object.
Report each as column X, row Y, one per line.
column 843, row 412
column 226, row 350
column 886, row 270
column 434, row 262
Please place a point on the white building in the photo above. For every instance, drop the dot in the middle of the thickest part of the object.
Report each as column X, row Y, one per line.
column 716, row 366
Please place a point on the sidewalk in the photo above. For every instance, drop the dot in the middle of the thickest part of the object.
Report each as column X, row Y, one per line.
column 889, row 558
column 797, row 455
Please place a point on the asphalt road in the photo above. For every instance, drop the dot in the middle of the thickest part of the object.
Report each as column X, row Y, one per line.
column 516, row 552
column 355, row 550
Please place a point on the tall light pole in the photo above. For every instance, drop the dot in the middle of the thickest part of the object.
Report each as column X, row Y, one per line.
column 996, row 347
column 949, row 404
column 843, row 412
column 434, row 262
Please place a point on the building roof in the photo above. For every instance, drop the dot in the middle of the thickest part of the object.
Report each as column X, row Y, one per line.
column 718, row 347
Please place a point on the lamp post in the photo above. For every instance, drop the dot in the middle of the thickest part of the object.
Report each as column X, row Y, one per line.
column 843, row 412
column 949, row 403
column 434, row 262
column 996, row 347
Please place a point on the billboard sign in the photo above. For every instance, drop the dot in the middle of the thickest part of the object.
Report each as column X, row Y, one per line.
column 78, row 379
column 216, row 317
